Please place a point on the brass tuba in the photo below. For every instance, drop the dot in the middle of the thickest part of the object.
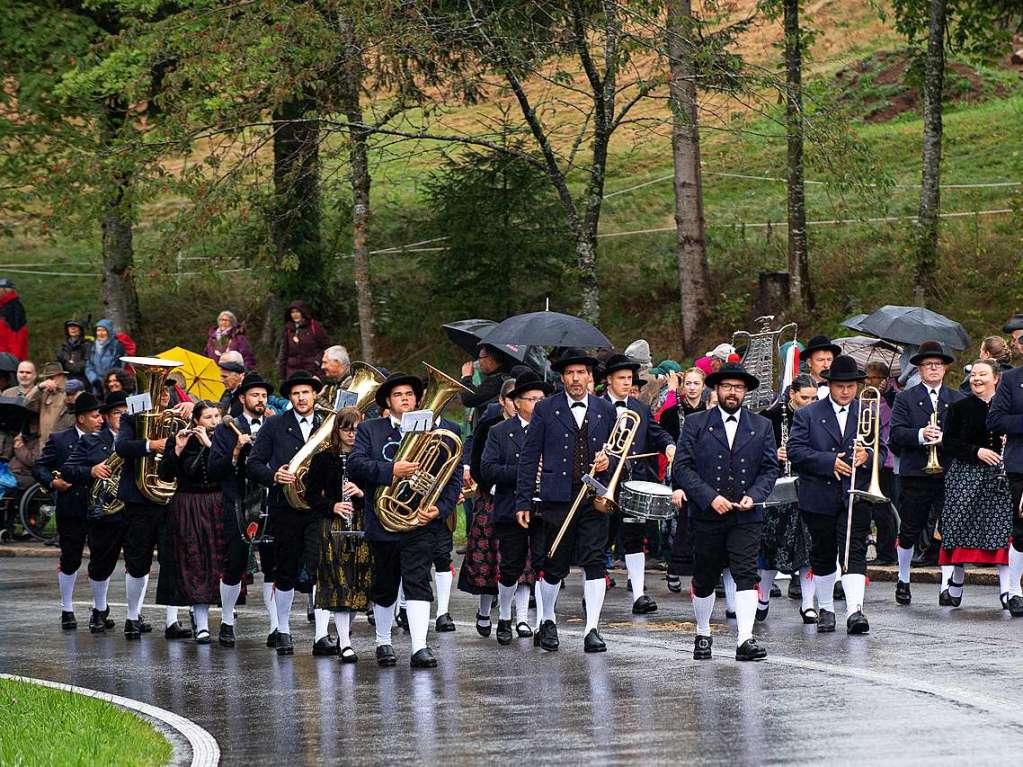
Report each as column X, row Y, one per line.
column 438, row 453
column 155, row 423
column 365, row 381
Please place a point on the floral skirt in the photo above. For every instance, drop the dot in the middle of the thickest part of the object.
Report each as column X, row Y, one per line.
column 345, row 569
column 478, row 574
column 976, row 522
column 785, row 540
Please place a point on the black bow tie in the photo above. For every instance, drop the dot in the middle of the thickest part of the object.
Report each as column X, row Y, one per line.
column 579, row 404
column 620, row 403
column 255, row 422
column 841, row 411
column 303, row 420
column 731, row 419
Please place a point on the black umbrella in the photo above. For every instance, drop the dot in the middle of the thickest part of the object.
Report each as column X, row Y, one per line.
column 13, row 414
column 914, row 325
column 547, row 329
column 467, row 334
column 853, row 323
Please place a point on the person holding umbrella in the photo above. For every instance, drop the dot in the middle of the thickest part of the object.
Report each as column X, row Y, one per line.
column 913, row 433
column 567, row 433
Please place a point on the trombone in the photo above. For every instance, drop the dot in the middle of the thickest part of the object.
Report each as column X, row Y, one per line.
column 868, row 436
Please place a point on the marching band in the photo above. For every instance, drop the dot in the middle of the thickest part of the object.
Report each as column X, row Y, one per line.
column 350, row 494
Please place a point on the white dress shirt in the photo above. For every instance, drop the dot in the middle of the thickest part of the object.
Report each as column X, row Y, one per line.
column 934, row 406
column 255, row 423
column 305, row 423
column 579, row 413
column 731, row 421
column 842, row 414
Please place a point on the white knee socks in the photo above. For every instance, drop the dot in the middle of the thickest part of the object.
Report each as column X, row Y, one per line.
column 824, row 588
column 67, row 588
column 171, row 615
column 486, row 604
column 228, row 599
column 283, row 600
column 766, row 584
column 270, row 604
column 343, row 622
column 135, row 590
column 806, row 588
column 1015, row 571
column 505, row 597
column 443, row 581
column 522, row 603
column 418, row 613
column 99, row 593
column 946, row 575
column 958, row 576
column 594, row 591
column 745, row 613
column 549, row 595
column 905, row 559
column 202, row 617
column 322, row 622
column 855, row 588
column 1003, row 579
column 729, row 582
column 703, row 607
column 384, row 620
column 635, row 564
column 538, row 598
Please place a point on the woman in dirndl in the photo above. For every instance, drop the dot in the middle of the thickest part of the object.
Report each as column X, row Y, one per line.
column 343, row 575
column 479, row 572
column 976, row 521
column 192, row 539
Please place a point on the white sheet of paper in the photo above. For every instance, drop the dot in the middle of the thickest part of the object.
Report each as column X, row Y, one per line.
column 139, row 403
column 417, row 420
column 345, row 398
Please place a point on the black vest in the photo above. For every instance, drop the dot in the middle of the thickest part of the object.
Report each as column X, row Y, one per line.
column 580, row 455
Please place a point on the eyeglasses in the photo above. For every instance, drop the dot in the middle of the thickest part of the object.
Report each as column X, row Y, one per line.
column 347, row 428
column 732, row 387
column 931, row 365
column 529, row 399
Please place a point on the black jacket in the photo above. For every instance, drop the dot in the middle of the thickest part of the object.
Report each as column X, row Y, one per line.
column 276, row 444
column 189, row 468
column 966, row 430
column 324, row 486
column 56, row 451
column 73, row 356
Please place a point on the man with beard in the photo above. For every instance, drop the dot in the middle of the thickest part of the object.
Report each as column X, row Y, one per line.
column 726, row 463
column 228, row 453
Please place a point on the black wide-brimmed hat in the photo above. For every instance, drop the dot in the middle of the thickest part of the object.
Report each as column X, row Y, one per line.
column 85, row 403
column 639, row 382
column 399, row 379
column 843, row 369
column 820, row 344
column 618, row 362
column 112, row 400
column 300, row 378
column 254, row 381
column 573, row 356
column 931, row 349
column 733, row 371
column 529, row 381
column 1015, row 323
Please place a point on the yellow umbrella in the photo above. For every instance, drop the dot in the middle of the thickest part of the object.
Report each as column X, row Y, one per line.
column 201, row 374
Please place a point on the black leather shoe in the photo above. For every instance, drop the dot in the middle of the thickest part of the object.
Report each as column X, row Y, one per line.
column 483, row 625
column 401, row 619
column 444, row 623
column 504, row 631
column 176, row 631
column 826, row 622
column 903, row 596
column 809, row 615
column 423, row 659
column 226, row 637
column 944, row 599
column 775, row 591
column 795, row 588
column 674, row 584
column 524, row 630
column 838, row 594
column 68, row 622
column 144, row 626
column 593, row 642
column 96, row 623
column 729, row 614
column 1004, row 599
column 284, row 644
column 644, row 606
column 750, row 650
column 271, row 639
column 762, row 610
column 371, row 617
column 325, row 646
column 348, row 655
column 954, row 601
column 549, row 636
column 857, row 623
column 1015, row 606
column 386, row 656
column 108, row 622
column 701, row 647
column 131, row 630
column 203, row 637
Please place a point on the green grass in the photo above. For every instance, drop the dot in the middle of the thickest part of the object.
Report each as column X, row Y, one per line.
column 43, row 726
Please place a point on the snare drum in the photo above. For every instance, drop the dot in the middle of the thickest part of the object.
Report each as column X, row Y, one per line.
column 646, row 500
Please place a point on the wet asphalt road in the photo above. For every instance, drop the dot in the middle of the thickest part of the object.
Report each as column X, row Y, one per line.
column 926, row 685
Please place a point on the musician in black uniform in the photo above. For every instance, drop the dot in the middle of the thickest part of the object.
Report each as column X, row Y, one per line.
column 650, row 438
column 786, row 543
column 568, row 433
column 726, row 464
column 228, row 453
column 280, row 437
column 71, row 510
column 690, row 399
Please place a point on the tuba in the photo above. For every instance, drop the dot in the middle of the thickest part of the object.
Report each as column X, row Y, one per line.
column 155, row 423
column 438, row 453
column 365, row 381
column 103, row 500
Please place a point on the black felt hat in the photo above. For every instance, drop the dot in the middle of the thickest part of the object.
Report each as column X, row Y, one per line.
column 254, row 381
column 529, row 381
column 85, row 403
column 820, row 344
column 620, row 362
column 300, row 378
column 733, row 371
column 573, row 356
column 112, row 400
column 399, row 379
column 843, row 369
column 931, row 349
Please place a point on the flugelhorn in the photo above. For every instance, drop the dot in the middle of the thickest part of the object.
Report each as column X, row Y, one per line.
column 933, row 467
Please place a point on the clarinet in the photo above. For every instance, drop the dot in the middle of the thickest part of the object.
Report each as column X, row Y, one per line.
column 785, row 442
column 348, row 531
column 536, row 486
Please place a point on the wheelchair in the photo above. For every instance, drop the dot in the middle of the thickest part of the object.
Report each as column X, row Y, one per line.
column 28, row 513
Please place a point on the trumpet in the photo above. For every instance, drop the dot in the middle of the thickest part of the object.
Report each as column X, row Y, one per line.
column 933, row 467
column 868, row 435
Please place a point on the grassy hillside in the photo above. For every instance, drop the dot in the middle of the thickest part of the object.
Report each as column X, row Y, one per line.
column 855, row 67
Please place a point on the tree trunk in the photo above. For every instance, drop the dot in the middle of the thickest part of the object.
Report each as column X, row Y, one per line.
column 350, row 81
column 295, row 226
column 800, row 291
column 690, row 246
column 930, row 191
column 120, row 299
